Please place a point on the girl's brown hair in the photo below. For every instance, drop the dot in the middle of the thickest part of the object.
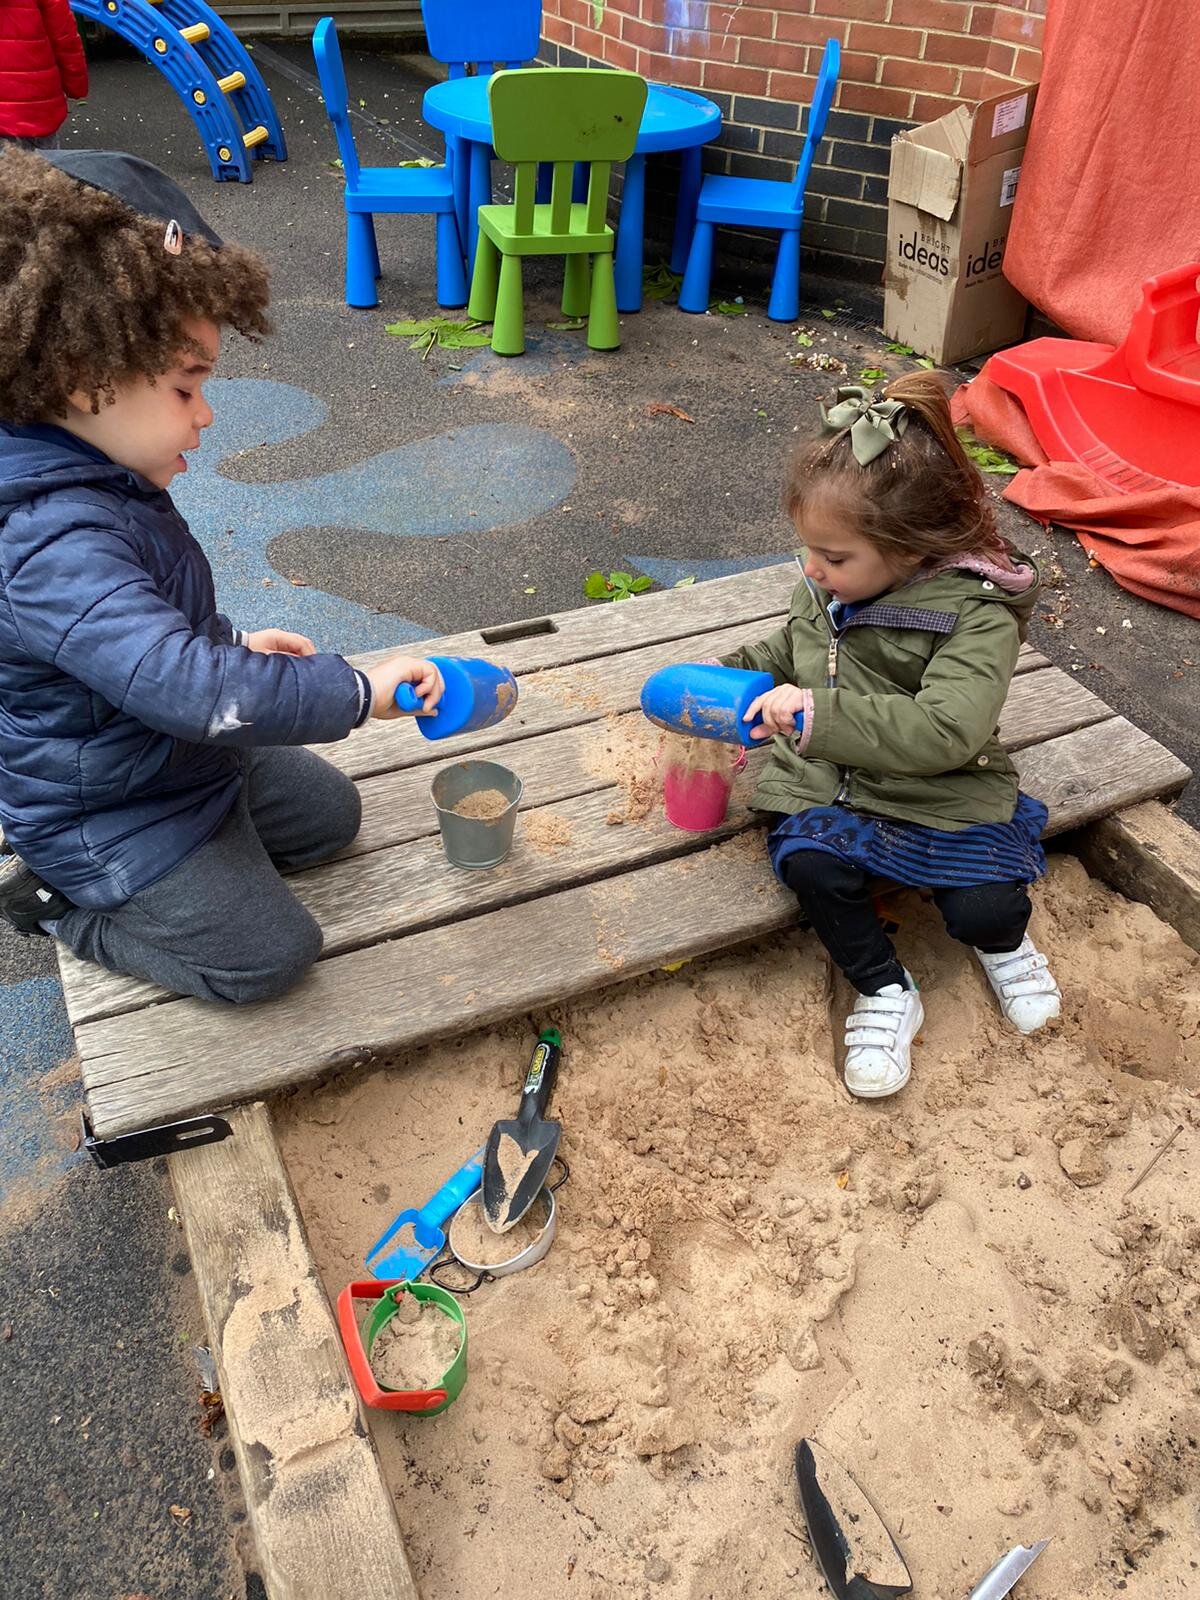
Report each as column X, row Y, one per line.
column 921, row 497
column 89, row 298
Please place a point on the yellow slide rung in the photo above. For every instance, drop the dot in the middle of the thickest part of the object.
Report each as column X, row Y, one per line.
column 196, row 34
column 235, row 80
column 255, row 136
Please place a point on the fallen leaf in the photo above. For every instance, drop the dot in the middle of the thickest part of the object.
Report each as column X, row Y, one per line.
column 660, row 408
column 212, row 1409
column 298, row 583
column 6, row 1331
column 181, row 1513
column 843, row 1178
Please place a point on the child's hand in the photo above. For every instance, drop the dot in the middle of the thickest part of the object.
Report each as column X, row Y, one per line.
column 273, row 640
column 387, row 676
column 778, row 707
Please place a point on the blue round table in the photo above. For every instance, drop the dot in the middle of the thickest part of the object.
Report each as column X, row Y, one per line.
column 674, row 119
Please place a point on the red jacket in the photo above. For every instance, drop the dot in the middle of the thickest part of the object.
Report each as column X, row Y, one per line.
column 41, row 63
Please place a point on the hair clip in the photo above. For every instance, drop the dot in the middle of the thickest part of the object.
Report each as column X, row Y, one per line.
column 173, row 239
column 872, row 423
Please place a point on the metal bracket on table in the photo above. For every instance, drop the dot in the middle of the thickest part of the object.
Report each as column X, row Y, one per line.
column 166, row 1140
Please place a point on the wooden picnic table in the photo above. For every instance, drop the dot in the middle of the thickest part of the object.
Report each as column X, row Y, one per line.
column 416, row 949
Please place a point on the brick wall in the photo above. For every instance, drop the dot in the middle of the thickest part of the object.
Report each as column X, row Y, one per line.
column 903, row 62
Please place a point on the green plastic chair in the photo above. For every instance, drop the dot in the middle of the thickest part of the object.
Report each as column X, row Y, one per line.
column 557, row 115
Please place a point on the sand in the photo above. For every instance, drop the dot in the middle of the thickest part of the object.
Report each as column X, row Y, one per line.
column 547, row 832
column 514, row 1163
column 473, row 1239
column 416, row 1347
column 630, row 756
column 950, row 1290
column 485, row 805
column 698, row 755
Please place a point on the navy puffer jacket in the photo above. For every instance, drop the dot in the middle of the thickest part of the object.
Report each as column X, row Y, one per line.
column 123, row 697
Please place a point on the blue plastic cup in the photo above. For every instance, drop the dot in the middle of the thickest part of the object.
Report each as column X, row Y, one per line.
column 703, row 701
column 478, row 694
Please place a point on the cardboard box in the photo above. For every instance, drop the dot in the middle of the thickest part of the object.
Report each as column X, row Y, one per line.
column 950, row 194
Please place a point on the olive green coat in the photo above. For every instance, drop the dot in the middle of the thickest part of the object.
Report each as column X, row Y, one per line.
column 905, row 701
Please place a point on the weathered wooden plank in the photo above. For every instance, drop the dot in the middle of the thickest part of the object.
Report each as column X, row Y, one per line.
column 398, row 890
column 1044, row 705
column 1097, row 770
column 557, row 697
column 147, row 1067
column 323, row 1518
column 601, row 630
column 567, row 761
column 184, row 1057
column 560, row 697
column 1151, row 855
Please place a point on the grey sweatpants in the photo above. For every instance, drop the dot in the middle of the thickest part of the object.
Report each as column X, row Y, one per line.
column 224, row 925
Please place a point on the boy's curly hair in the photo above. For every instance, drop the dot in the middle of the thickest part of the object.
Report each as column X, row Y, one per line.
column 90, row 299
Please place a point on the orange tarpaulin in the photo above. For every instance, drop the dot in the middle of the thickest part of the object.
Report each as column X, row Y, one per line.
column 1110, row 185
column 1149, row 542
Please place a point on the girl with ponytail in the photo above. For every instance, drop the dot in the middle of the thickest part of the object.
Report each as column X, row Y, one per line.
column 890, row 675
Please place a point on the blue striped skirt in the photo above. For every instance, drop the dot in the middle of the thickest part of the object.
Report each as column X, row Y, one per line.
column 920, row 857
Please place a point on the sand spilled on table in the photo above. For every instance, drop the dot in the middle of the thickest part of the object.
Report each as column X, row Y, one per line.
column 947, row 1289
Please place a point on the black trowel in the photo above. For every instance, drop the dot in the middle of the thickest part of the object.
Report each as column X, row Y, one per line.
column 856, row 1555
column 521, row 1151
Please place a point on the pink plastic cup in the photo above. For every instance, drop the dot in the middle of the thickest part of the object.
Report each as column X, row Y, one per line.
column 695, row 800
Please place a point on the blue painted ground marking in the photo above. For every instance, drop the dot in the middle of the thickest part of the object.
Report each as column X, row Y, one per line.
column 34, row 1036
column 669, row 572
column 471, row 479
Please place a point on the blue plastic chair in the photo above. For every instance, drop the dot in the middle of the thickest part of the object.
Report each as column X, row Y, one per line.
column 483, row 34
column 371, row 190
column 475, row 37
column 762, row 203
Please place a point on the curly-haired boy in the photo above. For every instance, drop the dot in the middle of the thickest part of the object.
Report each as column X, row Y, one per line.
column 150, row 784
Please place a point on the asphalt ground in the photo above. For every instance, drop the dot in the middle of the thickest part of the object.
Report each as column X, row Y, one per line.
column 367, row 495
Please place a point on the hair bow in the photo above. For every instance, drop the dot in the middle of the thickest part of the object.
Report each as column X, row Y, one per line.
column 873, row 424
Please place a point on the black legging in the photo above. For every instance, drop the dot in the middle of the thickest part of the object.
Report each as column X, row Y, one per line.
column 834, row 898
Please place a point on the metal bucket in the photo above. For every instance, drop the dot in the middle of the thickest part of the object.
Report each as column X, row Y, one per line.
column 475, row 842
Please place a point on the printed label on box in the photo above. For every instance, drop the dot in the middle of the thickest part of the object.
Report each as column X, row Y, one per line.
column 925, row 252
column 1009, row 114
column 982, row 261
column 1008, row 185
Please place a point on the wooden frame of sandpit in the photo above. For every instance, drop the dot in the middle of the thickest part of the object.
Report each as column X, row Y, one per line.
column 407, row 940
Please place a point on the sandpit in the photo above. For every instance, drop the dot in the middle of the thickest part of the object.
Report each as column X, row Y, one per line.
column 949, row 1289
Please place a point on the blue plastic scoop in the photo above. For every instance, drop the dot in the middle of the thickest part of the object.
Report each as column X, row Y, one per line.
column 478, row 694
column 703, row 701
column 424, row 1239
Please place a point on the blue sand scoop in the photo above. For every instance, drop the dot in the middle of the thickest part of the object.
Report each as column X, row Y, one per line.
column 478, row 695
column 703, row 701
column 408, row 1258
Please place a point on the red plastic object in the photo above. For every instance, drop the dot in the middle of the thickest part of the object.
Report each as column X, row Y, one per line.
column 1130, row 414
column 695, row 801
column 416, row 1400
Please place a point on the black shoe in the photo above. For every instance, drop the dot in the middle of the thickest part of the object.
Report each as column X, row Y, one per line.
column 25, row 901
